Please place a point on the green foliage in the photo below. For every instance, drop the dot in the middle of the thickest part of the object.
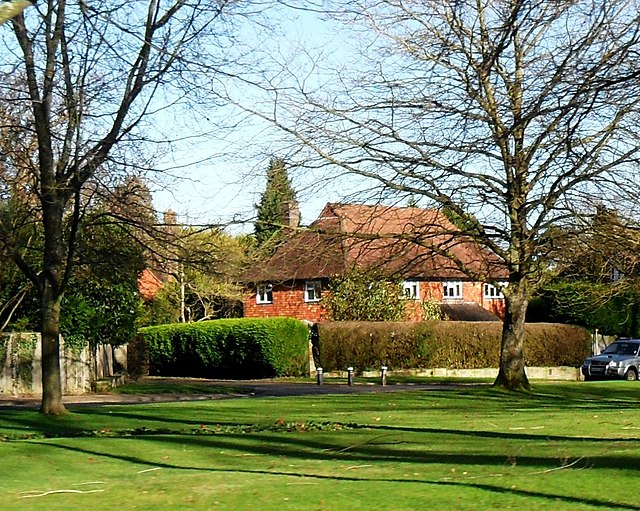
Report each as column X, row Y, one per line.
column 211, row 262
column 275, row 202
column 364, row 296
column 431, row 310
column 467, row 224
column 101, row 303
column 99, row 312
column 164, row 308
column 591, row 305
column 450, row 344
column 228, row 348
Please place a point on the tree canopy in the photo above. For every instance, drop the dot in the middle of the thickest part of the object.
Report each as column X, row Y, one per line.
column 512, row 115
column 89, row 89
column 277, row 203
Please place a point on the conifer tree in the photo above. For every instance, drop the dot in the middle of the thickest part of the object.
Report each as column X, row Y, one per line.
column 277, row 204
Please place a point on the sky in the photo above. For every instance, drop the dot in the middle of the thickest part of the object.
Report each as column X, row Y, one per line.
column 219, row 178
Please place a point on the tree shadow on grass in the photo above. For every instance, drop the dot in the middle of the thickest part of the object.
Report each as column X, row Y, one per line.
column 528, row 494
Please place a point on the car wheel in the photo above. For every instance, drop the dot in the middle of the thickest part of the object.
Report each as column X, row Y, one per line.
column 588, row 377
column 631, row 375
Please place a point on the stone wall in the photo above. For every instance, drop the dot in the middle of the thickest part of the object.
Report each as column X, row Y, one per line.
column 20, row 365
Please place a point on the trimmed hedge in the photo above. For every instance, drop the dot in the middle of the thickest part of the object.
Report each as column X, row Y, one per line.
column 450, row 344
column 226, row 348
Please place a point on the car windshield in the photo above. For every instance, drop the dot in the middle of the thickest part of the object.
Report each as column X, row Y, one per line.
column 622, row 348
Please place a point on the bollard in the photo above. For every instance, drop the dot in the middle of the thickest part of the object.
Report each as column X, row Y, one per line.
column 383, row 375
column 319, row 376
column 350, row 376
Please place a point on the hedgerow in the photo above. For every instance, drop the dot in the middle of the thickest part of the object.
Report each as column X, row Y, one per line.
column 450, row 344
column 225, row 348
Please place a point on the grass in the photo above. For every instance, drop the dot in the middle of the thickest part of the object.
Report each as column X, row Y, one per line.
column 565, row 446
column 175, row 386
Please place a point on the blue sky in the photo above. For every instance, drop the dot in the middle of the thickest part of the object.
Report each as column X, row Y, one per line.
column 220, row 177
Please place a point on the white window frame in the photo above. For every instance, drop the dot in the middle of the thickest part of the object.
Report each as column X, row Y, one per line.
column 312, row 291
column 411, row 289
column 490, row 292
column 452, row 290
column 616, row 274
column 264, row 293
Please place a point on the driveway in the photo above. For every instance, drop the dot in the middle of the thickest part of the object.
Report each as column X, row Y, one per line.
column 247, row 389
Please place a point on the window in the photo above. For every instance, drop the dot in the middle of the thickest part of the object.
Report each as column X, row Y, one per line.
column 312, row 291
column 264, row 293
column 411, row 289
column 492, row 292
column 616, row 274
column 452, row 290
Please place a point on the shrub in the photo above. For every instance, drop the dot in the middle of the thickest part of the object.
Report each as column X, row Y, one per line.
column 228, row 348
column 451, row 344
column 364, row 296
column 612, row 311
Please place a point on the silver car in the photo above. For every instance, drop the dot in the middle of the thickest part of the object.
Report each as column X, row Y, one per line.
column 621, row 359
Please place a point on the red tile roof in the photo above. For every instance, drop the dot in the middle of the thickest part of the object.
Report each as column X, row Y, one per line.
column 148, row 285
column 403, row 242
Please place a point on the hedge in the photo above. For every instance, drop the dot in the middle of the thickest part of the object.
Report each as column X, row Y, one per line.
column 224, row 348
column 450, row 344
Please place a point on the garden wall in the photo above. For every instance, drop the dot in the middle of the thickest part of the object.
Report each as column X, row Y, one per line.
column 20, row 365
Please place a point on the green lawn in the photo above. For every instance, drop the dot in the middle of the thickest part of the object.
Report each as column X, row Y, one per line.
column 565, row 446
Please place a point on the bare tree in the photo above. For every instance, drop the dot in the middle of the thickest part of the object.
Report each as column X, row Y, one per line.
column 96, row 78
column 508, row 113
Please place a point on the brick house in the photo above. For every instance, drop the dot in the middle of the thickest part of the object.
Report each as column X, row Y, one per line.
column 419, row 246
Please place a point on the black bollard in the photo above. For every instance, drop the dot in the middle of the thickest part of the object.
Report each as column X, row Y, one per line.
column 350, row 376
column 319, row 376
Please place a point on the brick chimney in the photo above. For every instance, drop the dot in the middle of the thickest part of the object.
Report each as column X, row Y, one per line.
column 292, row 214
column 170, row 218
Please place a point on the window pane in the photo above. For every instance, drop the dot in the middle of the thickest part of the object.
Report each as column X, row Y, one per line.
column 452, row 290
column 264, row 293
column 312, row 290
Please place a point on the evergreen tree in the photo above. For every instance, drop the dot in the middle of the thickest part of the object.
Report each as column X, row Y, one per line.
column 277, row 204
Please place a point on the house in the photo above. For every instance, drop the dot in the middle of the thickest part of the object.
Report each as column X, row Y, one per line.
column 149, row 283
column 419, row 246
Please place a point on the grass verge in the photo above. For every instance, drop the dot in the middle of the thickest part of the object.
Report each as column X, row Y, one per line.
column 565, row 446
column 175, row 386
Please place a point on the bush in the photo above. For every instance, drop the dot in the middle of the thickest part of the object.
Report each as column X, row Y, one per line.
column 364, row 296
column 228, row 348
column 592, row 305
column 450, row 344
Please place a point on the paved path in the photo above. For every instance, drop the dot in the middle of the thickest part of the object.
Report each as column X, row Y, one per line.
column 247, row 388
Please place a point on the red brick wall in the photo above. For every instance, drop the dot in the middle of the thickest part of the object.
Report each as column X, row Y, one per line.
column 471, row 292
column 288, row 300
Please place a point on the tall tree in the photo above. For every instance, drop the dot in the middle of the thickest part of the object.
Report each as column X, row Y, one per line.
column 89, row 77
column 208, row 264
column 277, row 206
column 508, row 113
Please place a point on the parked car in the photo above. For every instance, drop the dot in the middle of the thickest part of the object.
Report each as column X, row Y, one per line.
column 621, row 359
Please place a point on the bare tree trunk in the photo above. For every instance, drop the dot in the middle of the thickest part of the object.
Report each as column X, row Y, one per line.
column 51, row 292
column 51, row 377
column 512, row 375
